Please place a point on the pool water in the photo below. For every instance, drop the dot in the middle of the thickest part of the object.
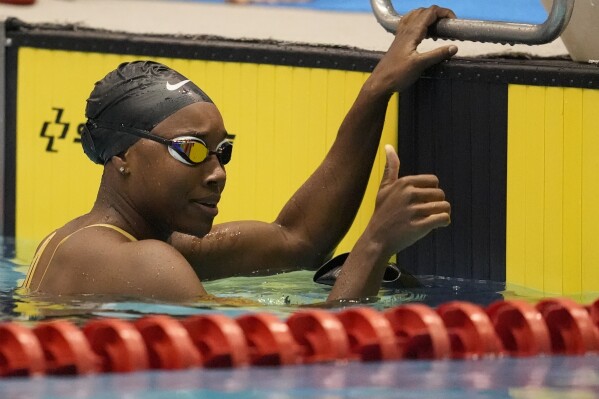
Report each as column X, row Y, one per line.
column 538, row 378
column 282, row 294
column 523, row 11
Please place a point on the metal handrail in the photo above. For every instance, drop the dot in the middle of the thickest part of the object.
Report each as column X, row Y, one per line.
column 486, row 31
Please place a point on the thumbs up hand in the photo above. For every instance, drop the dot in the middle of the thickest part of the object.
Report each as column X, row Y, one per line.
column 407, row 208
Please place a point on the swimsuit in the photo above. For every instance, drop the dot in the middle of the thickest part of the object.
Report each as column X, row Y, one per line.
column 40, row 251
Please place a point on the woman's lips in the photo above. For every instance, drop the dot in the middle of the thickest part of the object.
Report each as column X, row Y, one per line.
column 208, row 206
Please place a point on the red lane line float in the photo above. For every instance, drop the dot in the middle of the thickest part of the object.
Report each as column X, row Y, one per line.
column 20, row 352
column 570, row 327
column 219, row 340
column 419, row 332
column 18, row 2
column 118, row 344
column 269, row 339
column 66, row 349
column 520, row 327
column 470, row 330
column 455, row 329
column 320, row 336
column 168, row 343
column 371, row 337
column 594, row 312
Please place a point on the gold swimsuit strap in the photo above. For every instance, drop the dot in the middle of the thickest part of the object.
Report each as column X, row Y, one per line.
column 42, row 247
column 113, row 227
column 36, row 259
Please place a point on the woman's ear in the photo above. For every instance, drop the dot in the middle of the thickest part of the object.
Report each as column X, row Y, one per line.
column 119, row 162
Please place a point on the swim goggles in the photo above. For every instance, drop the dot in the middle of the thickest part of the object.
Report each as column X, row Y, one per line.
column 189, row 150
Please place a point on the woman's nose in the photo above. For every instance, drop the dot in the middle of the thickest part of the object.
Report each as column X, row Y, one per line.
column 217, row 174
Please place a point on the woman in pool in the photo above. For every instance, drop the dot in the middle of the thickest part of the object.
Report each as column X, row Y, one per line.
column 164, row 148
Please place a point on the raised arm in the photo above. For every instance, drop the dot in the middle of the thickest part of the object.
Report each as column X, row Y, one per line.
column 346, row 169
column 319, row 214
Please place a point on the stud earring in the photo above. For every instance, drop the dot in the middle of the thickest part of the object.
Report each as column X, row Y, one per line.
column 122, row 170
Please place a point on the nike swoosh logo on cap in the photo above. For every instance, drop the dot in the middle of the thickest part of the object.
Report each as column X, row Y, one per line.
column 176, row 86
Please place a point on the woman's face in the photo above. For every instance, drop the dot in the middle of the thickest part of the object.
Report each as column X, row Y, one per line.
column 169, row 194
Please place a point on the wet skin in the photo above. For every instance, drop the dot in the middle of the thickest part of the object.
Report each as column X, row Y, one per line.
column 170, row 195
column 169, row 207
column 154, row 196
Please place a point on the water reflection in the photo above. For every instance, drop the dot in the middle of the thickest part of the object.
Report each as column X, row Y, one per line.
column 281, row 294
column 564, row 377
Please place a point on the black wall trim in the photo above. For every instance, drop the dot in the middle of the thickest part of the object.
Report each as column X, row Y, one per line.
column 201, row 47
column 539, row 72
column 10, row 148
column 458, row 131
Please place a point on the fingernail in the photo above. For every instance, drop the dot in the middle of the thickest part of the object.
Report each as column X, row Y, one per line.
column 453, row 50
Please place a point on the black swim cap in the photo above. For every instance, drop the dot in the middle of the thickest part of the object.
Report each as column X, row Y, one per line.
column 138, row 95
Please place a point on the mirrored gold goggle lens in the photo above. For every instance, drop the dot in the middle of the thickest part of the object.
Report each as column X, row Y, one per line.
column 196, row 152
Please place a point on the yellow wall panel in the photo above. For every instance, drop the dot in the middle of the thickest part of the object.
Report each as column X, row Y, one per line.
column 244, row 163
column 554, row 191
column 285, row 134
column 285, row 119
column 590, row 191
column 552, row 220
column 55, row 181
column 298, row 130
column 572, row 215
column 534, row 172
column 266, row 194
column 316, row 113
column 516, row 186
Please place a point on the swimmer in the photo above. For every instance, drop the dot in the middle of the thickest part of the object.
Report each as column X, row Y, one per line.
column 164, row 148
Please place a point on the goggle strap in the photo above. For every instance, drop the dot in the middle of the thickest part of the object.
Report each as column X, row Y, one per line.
column 130, row 130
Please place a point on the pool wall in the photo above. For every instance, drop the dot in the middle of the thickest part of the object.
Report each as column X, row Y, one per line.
column 512, row 141
column 260, row 89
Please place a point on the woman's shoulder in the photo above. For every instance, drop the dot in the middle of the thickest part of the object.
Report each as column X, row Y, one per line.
column 109, row 241
column 98, row 259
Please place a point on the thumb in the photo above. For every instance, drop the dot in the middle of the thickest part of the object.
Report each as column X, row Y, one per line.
column 391, row 172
